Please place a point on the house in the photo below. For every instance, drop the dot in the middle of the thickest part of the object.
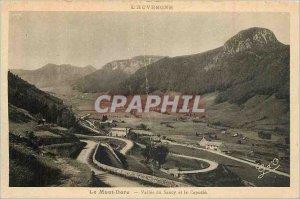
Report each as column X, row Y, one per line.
column 110, row 123
column 119, row 132
column 42, row 121
column 142, row 132
column 213, row 145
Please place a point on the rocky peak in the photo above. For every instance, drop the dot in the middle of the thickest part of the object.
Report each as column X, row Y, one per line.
column 250, row 38
column 130, row 66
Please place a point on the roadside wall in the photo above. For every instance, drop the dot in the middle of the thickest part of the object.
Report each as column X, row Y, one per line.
column 139, row 176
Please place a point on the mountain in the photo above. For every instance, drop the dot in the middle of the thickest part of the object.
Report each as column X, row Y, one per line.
column 25, row 96
column 65, row 75
column 111, row 74
column 252, row 62
column 252, row 67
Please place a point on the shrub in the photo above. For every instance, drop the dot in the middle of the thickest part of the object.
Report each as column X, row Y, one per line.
column 264, row 135
column 142, row 126
column 132, row 136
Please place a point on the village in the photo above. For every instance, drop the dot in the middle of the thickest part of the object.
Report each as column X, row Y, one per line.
column 219, row 140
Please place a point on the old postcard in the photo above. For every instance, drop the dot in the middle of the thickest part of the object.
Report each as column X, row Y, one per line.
column 149, row 99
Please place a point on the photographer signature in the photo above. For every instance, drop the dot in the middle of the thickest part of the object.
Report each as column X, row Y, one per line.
column 272, row 166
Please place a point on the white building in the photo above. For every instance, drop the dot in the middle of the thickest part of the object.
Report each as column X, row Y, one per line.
column 119, row 132
column 213, row 145
column 143, row 132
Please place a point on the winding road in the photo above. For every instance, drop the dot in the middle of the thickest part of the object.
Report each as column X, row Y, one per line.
column 117, row 181
column 124, row 150
column 105, row 177
column 227, row 156
column 212, row 165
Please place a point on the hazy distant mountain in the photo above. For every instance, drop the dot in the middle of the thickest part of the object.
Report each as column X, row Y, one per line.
column 53, row 76
column 111, row 74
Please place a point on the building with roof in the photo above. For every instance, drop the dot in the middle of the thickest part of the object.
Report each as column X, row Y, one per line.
column 213, row 145
column 142, row 132
column 119, row 132
column 155, row 138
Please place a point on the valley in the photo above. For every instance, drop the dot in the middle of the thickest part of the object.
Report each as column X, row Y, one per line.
column 244, row 88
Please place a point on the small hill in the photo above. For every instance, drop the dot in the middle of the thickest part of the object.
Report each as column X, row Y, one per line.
column 111, row 74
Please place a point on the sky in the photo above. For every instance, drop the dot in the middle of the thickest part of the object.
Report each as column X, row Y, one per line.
column 96, row 38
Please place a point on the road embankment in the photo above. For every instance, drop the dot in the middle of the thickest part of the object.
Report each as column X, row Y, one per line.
column 156, row 181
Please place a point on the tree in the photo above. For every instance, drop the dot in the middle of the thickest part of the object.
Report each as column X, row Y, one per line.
column 132, row 136
column 264, row 135
column 287, row 140
column 104, row 118
column 30, row 135
column 161, row 153
column 142, row 126
column 158, row 153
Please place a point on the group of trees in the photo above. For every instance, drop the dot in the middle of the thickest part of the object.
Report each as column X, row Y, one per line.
column 104, row 118
column 142, row 126
column 132, row 136
column 158, row 153
column 264, row 135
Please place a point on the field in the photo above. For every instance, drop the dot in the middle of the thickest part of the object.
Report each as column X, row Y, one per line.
column 183, row 164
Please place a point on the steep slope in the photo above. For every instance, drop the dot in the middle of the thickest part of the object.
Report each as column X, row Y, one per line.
column 26, row 96
column 41, row 154
column 65, row 75
column 113, row 73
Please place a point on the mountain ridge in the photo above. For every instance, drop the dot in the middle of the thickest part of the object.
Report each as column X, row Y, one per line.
column 238, row 75
column 112, row 73
column 65, row 75
column 212, row 70
column 249, row 38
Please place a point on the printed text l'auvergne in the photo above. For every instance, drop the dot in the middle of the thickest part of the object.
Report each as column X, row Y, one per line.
column 151, row 7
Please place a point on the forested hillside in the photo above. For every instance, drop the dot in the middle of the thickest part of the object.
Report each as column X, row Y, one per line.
column 26, row 96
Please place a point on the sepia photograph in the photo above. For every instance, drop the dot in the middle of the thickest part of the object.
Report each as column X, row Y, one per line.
column 137, row 99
